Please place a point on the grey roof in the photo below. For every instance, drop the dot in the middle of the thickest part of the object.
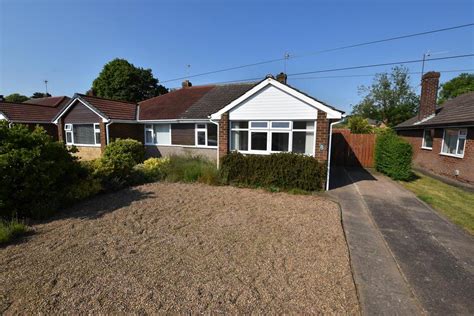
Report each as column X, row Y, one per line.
column 217, row 98
column 457, row 111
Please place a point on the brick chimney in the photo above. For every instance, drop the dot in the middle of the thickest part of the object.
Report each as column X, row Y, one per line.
column 186, row 84
column 429, row 94
column 282, row 77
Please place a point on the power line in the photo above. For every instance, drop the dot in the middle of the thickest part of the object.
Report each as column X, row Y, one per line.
column 379, row 65
column 287, row 56
column 371, row 75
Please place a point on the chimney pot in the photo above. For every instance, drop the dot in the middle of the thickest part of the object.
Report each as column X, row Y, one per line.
column 429, row 94
column 269, row 76
column 186, row 84
column 281, row 77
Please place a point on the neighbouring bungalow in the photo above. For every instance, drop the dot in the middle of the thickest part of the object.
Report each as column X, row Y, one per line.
column 442, row 137
column 34, row 112
column 253, row 118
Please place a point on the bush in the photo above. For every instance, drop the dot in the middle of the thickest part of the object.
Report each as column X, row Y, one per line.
column 115, row 168
column 283, row 170
column 10, row 230
column 359, row 125
column 393, row 156
column 150, row 170
column 36, row 172
column 191, row 169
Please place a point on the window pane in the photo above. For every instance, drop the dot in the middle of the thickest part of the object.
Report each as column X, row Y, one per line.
column 259, row 124
column 280, row 124
column 201, row 138
column 68, row 137
column 450, row 141
column 240, row 124
column 280, row 141
column 259, row 141
column 149, row 137
column 461, row 146
column 201, row 126
column 303, row 125
column 303, row 143
column 97, row 137
column 211, row 135
column 428, row 139
column 162, row 134
column 84, row 134
column 239, row 140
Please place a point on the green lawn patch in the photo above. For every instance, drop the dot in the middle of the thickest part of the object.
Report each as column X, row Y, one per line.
column 453, row 202
column 10, row 230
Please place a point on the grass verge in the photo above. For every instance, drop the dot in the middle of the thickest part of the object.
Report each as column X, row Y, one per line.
column 454, row 203
column 10, row 230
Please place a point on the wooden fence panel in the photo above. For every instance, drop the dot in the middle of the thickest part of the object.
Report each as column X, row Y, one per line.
column 352, row 149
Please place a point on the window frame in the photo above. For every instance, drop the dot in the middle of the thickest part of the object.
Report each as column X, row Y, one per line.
column 270, row 130
column 459, row 136
column 150, row 127
column 204, row 129
column 69, row 129
column 423, row 142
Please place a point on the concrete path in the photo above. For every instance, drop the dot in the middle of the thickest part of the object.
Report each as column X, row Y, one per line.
column 406, row 258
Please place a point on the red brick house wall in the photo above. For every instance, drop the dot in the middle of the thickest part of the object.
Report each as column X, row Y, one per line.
column 433, row 161
column 223, row 136
column 322, row 137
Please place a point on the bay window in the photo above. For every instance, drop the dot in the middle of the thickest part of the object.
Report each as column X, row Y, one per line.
column 454, row 141
column 158, row 134
column 82, row 134
column 264, row 137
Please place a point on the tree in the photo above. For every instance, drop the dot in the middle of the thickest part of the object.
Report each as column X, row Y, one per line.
column 456, row 86
column 121, row 80
column 390, row 99
column 16, row 97
column 359, row 125
column 38, row 95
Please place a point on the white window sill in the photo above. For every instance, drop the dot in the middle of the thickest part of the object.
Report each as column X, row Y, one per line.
column 427, row 148
column 185, row 146
column 451, row 155
column 83, row 145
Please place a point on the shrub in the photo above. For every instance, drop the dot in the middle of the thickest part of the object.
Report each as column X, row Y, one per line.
column 10, row 230
column 35, row 172
column 115, row 168
column 359, row 125
column 393, row 156
column 191, row 169
column 283, row 170
column 150, row 170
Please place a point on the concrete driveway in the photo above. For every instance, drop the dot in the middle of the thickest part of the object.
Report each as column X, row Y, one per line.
column 406, row 258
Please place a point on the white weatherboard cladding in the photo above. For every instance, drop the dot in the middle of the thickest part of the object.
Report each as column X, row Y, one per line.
column 272, row 103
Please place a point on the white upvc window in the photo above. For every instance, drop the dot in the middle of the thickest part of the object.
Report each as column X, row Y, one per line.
column 82, row 134
column 266, row 137
column 158, row 134
column 427, row 142
column 454, row 141
column 206, row 135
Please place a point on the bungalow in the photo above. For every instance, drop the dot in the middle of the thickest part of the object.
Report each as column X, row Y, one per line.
column 442, row 137
column 253, row 118
column 34, row 112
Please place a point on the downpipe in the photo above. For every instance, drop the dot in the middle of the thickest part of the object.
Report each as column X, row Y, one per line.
column 329, row 153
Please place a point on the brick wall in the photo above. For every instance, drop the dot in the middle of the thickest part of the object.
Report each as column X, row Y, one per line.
column 433, row 161
column 322, row 137
column 223, row 136
column 429, row 94
column 103, row 137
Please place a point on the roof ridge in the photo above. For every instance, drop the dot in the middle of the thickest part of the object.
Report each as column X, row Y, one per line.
column 31, row 104
column 96, row 97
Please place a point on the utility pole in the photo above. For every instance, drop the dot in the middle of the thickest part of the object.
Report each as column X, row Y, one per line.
column 46, row 85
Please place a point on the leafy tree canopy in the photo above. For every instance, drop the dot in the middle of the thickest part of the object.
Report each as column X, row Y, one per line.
column 16, row 97
column 38, row 95
column 459, row 85
column 359, row 125
column 121, row 80
column 389, row 99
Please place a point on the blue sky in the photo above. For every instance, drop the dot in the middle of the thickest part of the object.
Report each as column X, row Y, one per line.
column 68, row 42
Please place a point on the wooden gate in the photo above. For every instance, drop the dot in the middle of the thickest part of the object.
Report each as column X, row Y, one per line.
column 352, row 149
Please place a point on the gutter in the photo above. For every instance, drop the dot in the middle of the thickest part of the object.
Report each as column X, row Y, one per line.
column 329, row 152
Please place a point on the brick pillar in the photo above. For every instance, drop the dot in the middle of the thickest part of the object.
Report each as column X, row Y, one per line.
column 103, row 136
column 61, row 137
column 322, row 137
column 223, row 136
column 429, row 94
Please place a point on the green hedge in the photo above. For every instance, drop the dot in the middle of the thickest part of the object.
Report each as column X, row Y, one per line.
column 393, row 156
column 283, row 170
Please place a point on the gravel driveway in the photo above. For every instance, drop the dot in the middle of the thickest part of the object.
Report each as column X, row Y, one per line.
column 183, row 247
